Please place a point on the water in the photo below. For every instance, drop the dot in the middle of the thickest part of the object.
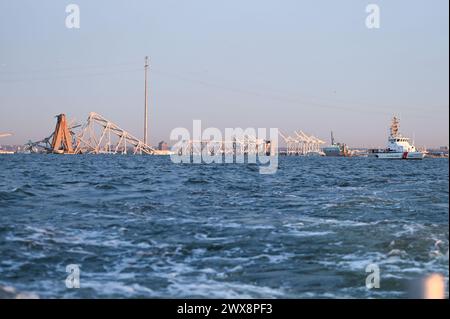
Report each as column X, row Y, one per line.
column 144, row 227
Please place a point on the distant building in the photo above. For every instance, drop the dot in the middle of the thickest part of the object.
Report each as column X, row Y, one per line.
column 440, row 152
column 10, row 149
column 162, row 146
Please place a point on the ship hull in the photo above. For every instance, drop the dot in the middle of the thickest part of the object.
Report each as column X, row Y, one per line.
column 398, row 155
column 334, row 151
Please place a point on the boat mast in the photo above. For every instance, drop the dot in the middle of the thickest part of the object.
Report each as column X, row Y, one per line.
column 394, row 126
column 146, row 102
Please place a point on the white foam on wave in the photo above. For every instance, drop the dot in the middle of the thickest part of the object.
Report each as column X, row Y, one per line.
column 201, row 287
column 108, row 288
column 409, row 229
column 306, row 221
column 305, row 233
column 202, row 236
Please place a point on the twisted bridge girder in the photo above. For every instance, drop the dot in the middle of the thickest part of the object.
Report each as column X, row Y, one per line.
column 110, row 140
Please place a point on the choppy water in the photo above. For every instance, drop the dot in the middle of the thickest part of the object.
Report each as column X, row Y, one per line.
column 144, row 227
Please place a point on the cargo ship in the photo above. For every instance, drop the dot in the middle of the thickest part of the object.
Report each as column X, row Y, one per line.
column 398, row 147
column 336, row 149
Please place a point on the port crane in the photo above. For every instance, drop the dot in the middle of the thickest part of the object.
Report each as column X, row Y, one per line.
column 302, row 143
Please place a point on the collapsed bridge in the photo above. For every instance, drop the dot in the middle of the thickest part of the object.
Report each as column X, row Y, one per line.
column 97, row 136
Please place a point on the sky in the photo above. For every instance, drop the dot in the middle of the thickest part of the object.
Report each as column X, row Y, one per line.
column 295, row 65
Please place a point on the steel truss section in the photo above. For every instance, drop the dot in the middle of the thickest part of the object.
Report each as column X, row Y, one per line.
column 246, row 145
column 101, row 136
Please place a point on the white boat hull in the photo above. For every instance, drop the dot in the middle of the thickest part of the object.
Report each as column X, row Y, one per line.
column 398, row 155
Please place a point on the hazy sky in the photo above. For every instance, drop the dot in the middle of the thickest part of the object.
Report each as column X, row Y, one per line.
column 310, row 65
